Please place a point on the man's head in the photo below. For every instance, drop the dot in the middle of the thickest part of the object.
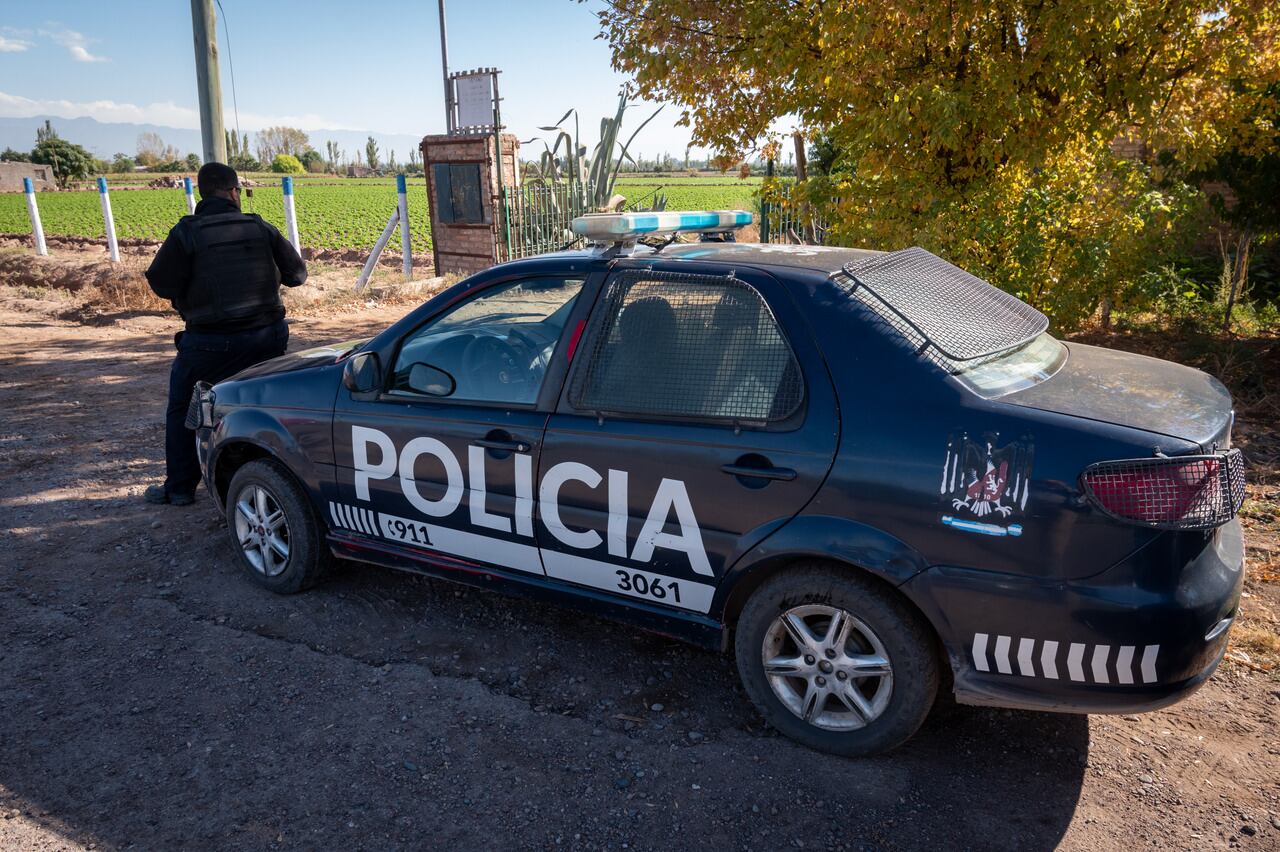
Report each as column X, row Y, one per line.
column 218, row 180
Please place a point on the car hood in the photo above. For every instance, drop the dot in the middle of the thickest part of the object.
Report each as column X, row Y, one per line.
column 1135, row 391
column 305, row 359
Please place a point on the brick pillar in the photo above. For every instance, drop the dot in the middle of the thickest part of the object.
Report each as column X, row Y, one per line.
column 467, row 217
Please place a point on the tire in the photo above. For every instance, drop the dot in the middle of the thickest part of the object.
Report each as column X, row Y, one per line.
column 285, row 558
column 886, row 640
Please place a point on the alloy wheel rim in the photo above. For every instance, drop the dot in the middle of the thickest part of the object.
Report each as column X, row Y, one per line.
column 262, row 530
column 827, row 667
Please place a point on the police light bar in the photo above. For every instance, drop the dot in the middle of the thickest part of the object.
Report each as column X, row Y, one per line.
column 623, row 227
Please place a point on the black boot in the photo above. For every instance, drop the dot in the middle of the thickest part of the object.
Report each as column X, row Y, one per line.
column 158, row 494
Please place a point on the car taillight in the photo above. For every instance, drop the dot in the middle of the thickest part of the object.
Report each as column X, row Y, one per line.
column 1182, row 493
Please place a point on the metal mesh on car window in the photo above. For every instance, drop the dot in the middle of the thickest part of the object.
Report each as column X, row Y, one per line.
column 687, row 346
column 1178, row 493
column 954, row 317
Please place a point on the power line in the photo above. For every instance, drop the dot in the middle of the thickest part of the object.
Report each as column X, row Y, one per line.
column 230, row 65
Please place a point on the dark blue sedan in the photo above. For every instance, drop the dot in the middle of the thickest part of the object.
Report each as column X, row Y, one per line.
column 868, row 474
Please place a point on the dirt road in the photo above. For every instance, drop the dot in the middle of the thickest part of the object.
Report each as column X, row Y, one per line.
column 152, row 698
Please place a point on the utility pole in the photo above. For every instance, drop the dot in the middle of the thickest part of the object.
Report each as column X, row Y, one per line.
column 204, row 31
column 444, row 68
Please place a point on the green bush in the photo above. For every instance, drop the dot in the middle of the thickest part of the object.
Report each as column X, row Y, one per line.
column 287, row 164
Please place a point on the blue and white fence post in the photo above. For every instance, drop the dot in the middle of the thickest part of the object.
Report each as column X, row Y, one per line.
column 402, row 205
column 113, row 248
column 290, row 215
column 33, row 213
column 191, row 199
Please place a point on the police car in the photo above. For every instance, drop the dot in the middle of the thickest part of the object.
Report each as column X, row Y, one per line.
column 870, row 475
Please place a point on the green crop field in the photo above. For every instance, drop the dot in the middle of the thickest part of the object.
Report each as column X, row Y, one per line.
column 336, row 213
column 329, row 215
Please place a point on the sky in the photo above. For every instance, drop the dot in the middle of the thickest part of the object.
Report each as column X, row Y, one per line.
column 318, row 64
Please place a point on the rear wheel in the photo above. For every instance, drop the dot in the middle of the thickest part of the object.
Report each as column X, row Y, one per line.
column 276, row 536
column 836, row 661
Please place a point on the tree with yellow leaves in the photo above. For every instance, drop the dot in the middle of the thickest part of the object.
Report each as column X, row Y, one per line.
column 979, row 128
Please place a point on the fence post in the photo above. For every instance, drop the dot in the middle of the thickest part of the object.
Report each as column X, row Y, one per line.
column 33, row 213
column 290, row 216
column 113, row 248
column 377, row 251
column 191, row 199
column 402, row 207
column 766, row 209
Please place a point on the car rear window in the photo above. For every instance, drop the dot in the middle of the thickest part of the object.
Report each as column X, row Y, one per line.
column 1016, row 370
column 670, row 345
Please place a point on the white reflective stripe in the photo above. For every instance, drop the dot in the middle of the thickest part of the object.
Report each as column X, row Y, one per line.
column 1149, row 663
column 333, row 513
column 468, row 545
column 343, row 520
column 1049, row 659
column 367, row 518
column 507, row 554
column 354, row 518
column 1124, row 664
column 351, row 518
column 1002, row 655
column 980, row 652
column 1100, row 654
column 1074, row 656
column 1025, row 648
column 604, row 575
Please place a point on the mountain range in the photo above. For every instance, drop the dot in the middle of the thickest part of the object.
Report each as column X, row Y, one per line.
column 104, row 139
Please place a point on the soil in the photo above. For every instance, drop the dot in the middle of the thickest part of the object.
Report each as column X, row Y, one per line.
column 152, row 698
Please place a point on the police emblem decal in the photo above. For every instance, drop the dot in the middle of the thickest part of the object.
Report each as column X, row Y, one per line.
column 985, row 485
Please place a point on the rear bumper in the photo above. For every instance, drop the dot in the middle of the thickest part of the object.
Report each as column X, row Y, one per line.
column 1139, row 636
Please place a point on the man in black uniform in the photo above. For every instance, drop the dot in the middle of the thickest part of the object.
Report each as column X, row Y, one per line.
column 222, row 269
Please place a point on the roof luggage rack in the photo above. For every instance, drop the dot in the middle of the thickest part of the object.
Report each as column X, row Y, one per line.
column 942, row 308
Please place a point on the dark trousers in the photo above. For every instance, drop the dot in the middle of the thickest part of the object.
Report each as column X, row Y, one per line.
column 207, row 358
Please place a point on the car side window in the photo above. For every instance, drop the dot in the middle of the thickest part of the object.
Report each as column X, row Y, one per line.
column 494, row 347
column 671, row 345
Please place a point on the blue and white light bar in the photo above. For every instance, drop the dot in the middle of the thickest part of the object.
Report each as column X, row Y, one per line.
column 623, row 227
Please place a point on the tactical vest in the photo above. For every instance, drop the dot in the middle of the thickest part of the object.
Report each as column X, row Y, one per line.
column 233, row 273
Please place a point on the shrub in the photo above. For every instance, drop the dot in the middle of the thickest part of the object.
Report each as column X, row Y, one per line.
column 287, row 164
column 1076, row 233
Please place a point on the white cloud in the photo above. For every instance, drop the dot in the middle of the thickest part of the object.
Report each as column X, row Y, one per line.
column 167, row 114
column 13, row 45
column 75, row 43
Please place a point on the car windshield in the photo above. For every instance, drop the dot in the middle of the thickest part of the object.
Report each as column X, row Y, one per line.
column 1022, row 368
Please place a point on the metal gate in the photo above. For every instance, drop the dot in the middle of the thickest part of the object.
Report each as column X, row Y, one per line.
column 539, row 217
column 784, row 219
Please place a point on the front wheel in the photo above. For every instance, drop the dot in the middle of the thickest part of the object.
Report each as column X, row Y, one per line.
column 275, row 534
column 836, row 661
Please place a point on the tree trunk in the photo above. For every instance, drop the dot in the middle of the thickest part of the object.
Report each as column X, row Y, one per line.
column 1239, row 276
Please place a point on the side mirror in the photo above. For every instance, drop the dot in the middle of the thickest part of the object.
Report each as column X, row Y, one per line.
column 424, row 378
column 362, row 373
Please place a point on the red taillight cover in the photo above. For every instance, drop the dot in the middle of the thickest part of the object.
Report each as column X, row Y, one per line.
column 1185, row 492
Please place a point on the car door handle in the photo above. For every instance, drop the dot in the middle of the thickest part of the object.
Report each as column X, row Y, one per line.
column 786, row 474
column 507, row 445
